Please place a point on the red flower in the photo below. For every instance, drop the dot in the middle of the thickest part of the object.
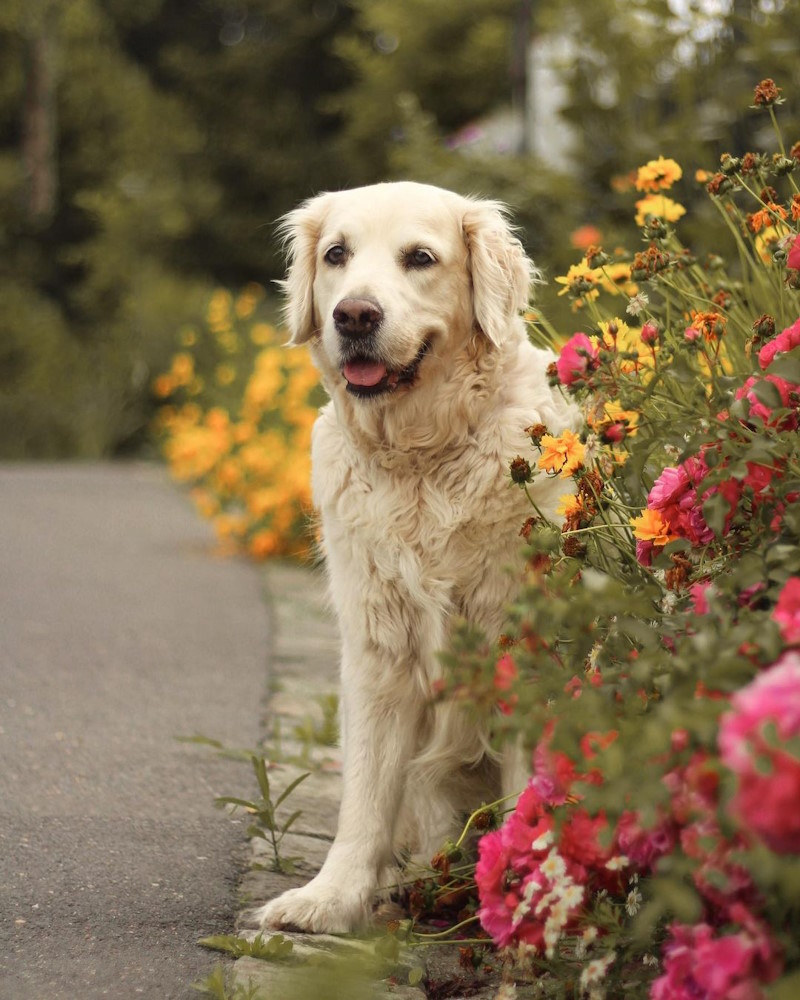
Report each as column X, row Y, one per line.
column 787, row 612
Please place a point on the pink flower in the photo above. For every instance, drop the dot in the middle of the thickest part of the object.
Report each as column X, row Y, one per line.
column 643, row 847
column 785, row 341
column 649, row 333
column 787, row 611
column 769, row 776
column 699, row 595
column 668, row 488
column 700, row 966
column 760, row 410
column 691, row 333
column 578, row 357
column 793, row 260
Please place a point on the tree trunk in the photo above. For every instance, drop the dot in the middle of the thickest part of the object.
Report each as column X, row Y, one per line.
column 39, row 135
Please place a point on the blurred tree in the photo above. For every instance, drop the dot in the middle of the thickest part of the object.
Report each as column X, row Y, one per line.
column 451, row 57
column 253, row 77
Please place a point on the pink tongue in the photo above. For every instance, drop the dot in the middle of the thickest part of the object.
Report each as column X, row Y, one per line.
column 364, row 372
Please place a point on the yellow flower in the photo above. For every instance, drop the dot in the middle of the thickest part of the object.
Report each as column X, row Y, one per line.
column 659, row 205
column 183, row 368
column 658, row 175
column 570, row 504
column 650, row 526
column 225, row 374
column 580, row 280
column 188, row 337
column 563, row 454
column 262, row 334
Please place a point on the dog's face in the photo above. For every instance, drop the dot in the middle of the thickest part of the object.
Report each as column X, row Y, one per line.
column 382, row 277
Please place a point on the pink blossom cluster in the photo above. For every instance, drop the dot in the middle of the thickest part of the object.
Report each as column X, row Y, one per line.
column 532, row 887
column 763, row 716
column 701, row 963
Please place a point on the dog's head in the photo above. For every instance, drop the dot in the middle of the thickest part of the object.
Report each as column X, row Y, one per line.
column 382, row 276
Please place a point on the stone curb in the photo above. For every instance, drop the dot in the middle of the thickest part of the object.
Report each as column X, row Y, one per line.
column 303, row 677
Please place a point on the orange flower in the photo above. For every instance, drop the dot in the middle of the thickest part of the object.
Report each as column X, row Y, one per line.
column 766, row 216
column 658, row 175
column 563, row 455
column 710, row 324
column 650, row 526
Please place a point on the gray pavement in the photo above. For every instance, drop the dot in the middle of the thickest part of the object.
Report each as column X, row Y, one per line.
column 120, row 629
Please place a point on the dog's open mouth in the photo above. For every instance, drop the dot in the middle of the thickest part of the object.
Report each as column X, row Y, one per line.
column 366, row 377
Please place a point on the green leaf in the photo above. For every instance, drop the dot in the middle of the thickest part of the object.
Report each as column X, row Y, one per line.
column 787, row 366
column 230, row 800
column 290, row 788
column 291, row 820
column 415, row 975
column 260, row 767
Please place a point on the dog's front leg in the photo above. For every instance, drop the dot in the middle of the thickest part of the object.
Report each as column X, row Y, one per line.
column 379, row 730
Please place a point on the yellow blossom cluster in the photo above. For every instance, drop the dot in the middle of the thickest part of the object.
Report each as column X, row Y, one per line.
column 240, row 432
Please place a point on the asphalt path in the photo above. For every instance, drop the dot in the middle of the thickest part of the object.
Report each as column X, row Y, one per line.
column 120, row 630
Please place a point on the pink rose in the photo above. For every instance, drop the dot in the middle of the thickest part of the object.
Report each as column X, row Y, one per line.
column 578, row 357
column 767, row 796
column 785, row 341
column 787, row 611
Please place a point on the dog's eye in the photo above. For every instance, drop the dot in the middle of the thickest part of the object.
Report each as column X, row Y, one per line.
column 419, row 258
column 336, row 254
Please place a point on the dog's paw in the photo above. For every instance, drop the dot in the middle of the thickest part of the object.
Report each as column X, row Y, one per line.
column 320, row 909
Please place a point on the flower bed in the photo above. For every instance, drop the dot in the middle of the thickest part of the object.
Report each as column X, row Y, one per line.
column 653, row 661
column 235, row 423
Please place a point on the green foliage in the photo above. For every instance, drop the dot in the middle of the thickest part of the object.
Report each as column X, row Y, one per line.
column 221, row 984
column 268, row 827
column 273, row 949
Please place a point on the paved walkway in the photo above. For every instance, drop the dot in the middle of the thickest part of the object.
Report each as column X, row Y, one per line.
column 119, row 630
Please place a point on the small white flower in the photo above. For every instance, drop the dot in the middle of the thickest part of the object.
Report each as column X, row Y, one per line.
column 572, row 895
column 553, row 866
column 633, row 903
column 638, row 304
column 508, row 991
column 552, row 933
column 586, row 940
column 542, row 842
column 596, row 970
column 618, row 862
column 669, row 602
column 523, row 908
column 649, row 960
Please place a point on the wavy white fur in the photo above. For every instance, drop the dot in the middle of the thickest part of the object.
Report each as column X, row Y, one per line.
column 419, row 524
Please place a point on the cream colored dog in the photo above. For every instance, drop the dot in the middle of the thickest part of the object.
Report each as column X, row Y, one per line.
column 409, row 297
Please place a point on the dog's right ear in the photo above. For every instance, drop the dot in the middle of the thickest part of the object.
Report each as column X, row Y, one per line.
column 300, row 230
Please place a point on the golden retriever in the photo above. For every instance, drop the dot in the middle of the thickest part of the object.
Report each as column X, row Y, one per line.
column 409, row 297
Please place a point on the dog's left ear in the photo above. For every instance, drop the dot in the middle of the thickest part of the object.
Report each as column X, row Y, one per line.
column 301, row 230
column 501, row 271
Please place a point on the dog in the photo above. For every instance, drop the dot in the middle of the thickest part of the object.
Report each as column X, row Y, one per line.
column 409, row 297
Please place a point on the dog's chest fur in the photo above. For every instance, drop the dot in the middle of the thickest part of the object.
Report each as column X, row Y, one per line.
column 412, row 541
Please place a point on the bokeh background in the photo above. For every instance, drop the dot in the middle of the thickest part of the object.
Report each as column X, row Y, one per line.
column 147, row 148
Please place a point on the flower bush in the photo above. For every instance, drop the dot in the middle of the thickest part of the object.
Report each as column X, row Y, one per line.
column 652, row 664
column 235, row 423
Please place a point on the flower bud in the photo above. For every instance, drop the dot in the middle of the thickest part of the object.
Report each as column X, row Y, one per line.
column 520, row 470
column 650, row 333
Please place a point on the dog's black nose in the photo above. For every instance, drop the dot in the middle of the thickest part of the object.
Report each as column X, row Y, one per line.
column 357, row 317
